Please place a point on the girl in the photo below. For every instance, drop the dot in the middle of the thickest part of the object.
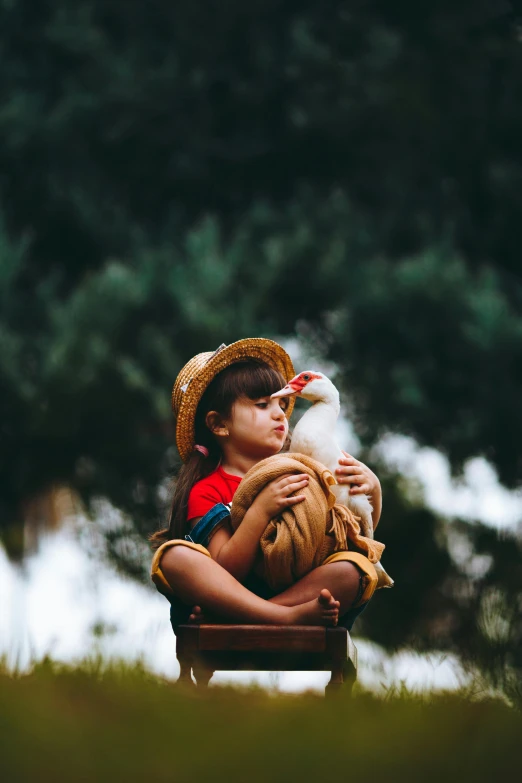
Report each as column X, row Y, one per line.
column 226, row 423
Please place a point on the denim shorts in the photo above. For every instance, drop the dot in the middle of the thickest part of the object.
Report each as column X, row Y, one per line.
column 201, row 534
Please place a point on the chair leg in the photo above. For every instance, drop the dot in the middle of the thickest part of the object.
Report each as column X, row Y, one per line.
column 202, row 675
column 349, row 676
column 336, row 680
column 343, row 677
column 185, row 668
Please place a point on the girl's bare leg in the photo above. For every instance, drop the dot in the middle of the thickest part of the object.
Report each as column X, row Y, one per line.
column 341, row 578
column 199, row 580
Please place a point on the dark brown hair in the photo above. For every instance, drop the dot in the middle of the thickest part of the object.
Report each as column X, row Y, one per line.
column 251, row 379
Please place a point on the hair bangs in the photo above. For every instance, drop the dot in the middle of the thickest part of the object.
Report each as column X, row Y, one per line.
column 253, row 380
column 249, row 378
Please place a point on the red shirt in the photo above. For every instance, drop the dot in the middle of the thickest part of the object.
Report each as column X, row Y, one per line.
column 219, row 487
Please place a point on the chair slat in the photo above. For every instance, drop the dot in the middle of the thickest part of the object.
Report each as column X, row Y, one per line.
column 262, row 638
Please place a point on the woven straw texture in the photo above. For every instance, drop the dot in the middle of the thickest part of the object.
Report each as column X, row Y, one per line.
column 305, row 534
column 196, row 375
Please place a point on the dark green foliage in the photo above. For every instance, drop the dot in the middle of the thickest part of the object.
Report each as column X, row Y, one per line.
column 175, row 177
column 142, row 113
column 369, row 133
column 431, row 349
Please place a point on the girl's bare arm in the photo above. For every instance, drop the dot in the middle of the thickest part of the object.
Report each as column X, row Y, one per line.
column 237, row 552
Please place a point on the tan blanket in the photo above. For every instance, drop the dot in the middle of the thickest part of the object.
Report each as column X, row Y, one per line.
column 305, row 534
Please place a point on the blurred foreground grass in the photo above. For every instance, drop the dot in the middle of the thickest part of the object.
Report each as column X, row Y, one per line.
column 109, row 722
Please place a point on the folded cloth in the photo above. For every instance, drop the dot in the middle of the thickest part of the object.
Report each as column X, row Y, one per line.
column 304, row 535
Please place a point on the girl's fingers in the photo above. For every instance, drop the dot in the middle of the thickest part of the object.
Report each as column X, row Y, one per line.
column 346, row 464
column 284, row 479
column 364, row 489
column 293, row 477
column 295, row 485
column 355, row 478
column 359, row 482
column 288, row 494
column 294, row 500
column 346, row 470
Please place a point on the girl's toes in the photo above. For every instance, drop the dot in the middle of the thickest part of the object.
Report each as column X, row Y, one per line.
column 196, row 615
column 325, row 597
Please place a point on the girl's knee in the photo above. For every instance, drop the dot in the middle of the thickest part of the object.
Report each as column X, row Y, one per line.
column 178, row 560
column 345, row 582
column 345, row 569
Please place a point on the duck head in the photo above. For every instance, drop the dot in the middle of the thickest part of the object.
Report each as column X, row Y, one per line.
column 311, row 385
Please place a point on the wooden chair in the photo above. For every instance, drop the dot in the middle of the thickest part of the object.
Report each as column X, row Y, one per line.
column 205, row 649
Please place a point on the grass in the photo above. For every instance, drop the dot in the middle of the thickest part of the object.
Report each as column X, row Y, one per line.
column 111, row 722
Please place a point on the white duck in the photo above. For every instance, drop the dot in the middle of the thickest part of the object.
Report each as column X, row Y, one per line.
column 314, row 436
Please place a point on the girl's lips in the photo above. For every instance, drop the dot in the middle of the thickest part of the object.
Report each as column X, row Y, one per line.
column 280, row 429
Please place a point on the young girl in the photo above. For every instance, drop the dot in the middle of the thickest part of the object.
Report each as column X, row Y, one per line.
column 226, row 423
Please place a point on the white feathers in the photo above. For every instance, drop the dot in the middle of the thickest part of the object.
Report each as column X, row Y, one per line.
column 314, row 435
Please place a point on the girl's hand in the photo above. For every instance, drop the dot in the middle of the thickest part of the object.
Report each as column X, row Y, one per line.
column 359, row 475
column 275, row 497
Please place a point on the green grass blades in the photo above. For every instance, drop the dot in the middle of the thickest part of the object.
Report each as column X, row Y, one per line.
column 111, row 722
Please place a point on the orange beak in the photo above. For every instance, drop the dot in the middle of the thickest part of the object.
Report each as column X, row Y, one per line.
column 286, row 392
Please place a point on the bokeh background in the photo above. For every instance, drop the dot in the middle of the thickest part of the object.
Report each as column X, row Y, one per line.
column 343, row 177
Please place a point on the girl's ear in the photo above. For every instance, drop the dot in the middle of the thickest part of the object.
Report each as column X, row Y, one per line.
column 215, row 424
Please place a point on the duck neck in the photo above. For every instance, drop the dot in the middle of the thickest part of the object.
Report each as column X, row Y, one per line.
column 326, row 409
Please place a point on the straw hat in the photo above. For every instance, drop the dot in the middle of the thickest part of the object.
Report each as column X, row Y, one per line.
column 196, row 375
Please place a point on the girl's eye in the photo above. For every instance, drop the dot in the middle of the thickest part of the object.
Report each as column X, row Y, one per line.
column 283, row 402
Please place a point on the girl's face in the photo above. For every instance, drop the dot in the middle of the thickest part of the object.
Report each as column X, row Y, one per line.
column 258, row 428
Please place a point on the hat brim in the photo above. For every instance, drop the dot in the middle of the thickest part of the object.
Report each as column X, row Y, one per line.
column 249, row 348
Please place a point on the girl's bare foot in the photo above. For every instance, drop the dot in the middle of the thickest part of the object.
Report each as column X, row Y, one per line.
column 323, row 610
